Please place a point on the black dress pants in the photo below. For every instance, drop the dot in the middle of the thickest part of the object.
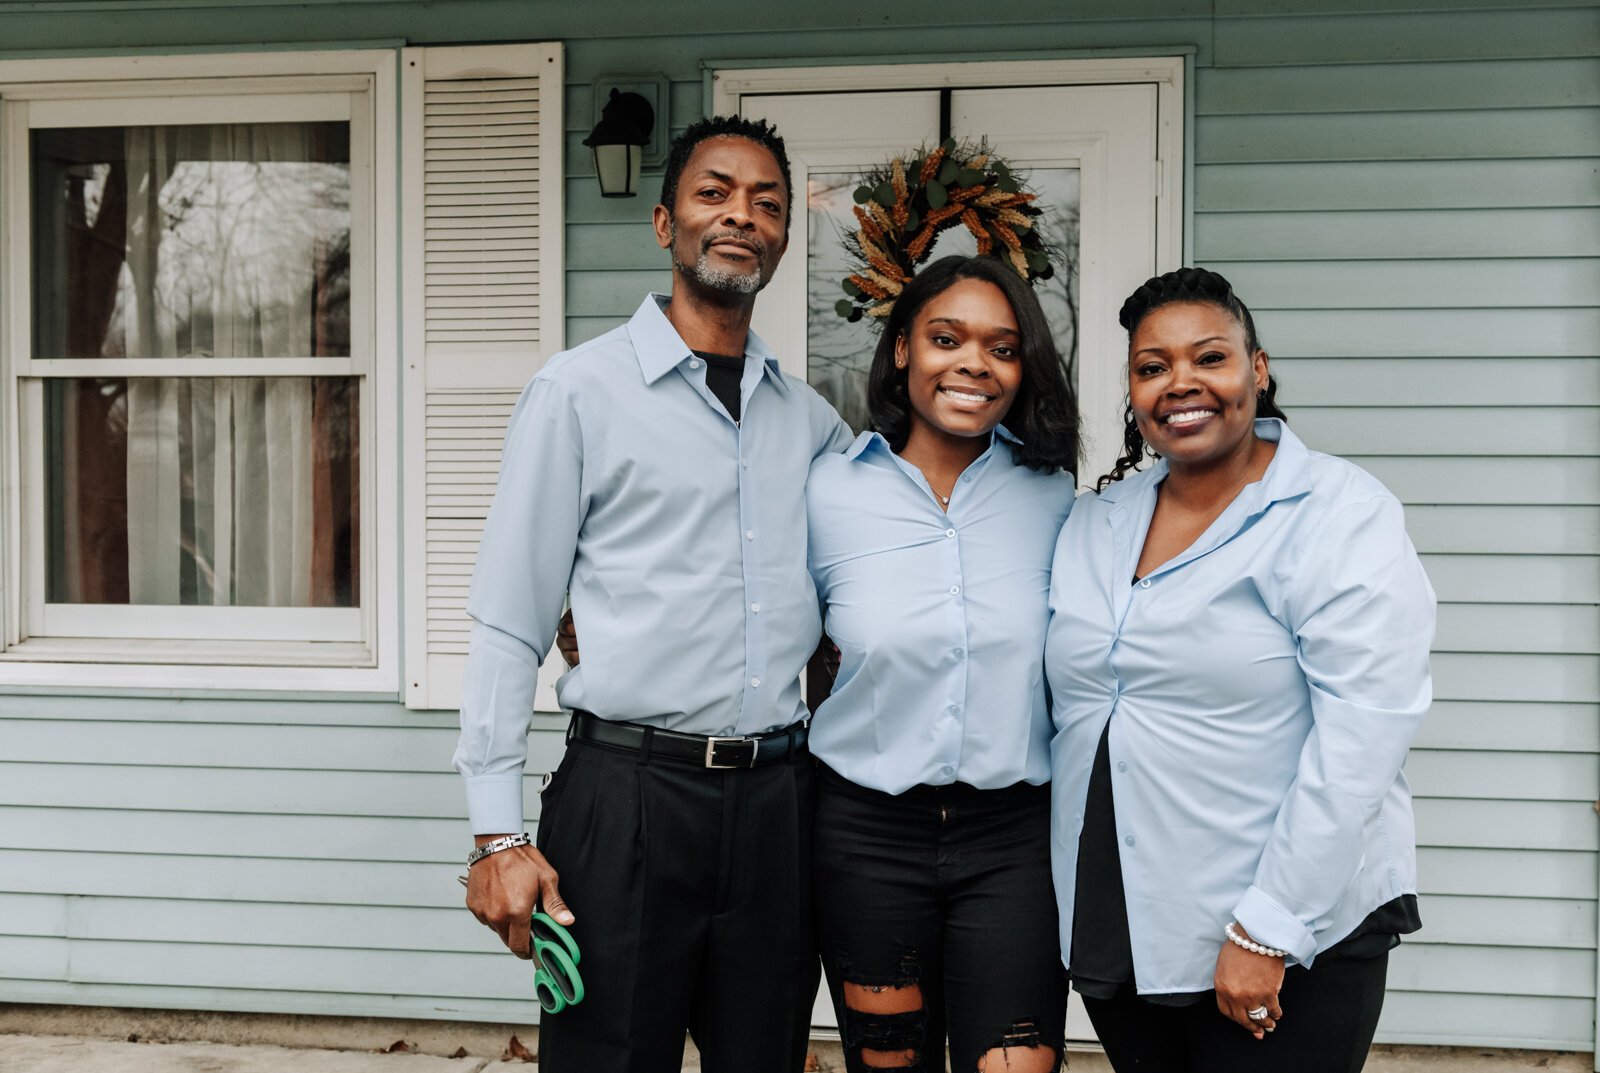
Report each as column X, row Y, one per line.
column 948, row 888
column 1330, row 1012
column 692, row 896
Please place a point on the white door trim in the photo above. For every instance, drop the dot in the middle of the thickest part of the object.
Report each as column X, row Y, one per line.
column 1165, row 72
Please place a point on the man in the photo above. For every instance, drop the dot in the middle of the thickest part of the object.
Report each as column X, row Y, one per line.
column 656, row 472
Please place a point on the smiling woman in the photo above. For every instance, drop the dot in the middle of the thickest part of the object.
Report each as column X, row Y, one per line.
column 930, row 541
column 1238, row 659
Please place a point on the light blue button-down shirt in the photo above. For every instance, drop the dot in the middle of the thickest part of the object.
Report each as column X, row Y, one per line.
column 939, row 617
column 680, row 533
column 1263, row 688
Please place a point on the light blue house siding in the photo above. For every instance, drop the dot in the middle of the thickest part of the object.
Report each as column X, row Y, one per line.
column 1409, row 198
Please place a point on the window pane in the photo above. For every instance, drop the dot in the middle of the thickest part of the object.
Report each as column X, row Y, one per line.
column 229, row 241
column 219, row 491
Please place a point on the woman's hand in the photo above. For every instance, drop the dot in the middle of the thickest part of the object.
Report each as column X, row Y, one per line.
column 1246, row 981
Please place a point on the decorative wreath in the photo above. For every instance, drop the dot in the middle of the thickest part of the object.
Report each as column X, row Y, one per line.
column 903, row 207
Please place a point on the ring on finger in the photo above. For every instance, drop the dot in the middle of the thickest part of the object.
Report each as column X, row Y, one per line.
column 1260, row 1013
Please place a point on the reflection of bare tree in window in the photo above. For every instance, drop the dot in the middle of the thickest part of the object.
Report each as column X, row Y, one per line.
column 236, row 243
column 838, row 353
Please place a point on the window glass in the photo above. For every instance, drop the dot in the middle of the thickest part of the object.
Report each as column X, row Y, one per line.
column 200, row 241
column 221, row 491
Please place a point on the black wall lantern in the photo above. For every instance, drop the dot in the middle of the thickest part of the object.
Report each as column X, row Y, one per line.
column 618, row 142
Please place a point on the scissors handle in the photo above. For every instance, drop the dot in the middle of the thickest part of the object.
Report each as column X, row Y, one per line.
column 557, row 983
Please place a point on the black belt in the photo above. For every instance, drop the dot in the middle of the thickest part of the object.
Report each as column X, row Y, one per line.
column 717, row 754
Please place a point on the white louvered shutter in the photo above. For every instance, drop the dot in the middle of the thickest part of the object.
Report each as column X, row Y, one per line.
column 481, row 141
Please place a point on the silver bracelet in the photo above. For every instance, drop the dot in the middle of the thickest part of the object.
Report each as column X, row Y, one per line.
column 1255, row 948
column 508, row 842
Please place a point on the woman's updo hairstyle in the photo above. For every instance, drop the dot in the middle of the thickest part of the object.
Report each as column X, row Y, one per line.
column 1170, row 288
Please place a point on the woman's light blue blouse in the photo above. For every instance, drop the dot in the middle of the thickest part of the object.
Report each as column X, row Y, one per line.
column 939, row 617
column 1263, row 688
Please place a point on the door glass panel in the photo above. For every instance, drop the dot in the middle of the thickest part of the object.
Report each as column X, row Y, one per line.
column 839, row 353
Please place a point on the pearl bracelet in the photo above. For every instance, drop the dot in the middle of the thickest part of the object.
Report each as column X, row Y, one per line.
column 1255, row 948
column 508, row 842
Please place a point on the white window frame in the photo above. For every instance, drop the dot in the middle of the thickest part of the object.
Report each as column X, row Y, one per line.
column 205, row 648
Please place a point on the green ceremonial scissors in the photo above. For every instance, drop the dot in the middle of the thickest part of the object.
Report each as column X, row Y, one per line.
column 556, row 983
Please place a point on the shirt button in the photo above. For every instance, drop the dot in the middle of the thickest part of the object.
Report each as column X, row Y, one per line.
column 755, row 608
column 694, row 364
column 947, row 770
column 745, row 462
column 755, row 683
column 749, row 534
column 1122, row 765
column 955, row 709
column 958, row 652
column 1129, row 840
column 955, row 590
column 1144, row 584
column 949, row 532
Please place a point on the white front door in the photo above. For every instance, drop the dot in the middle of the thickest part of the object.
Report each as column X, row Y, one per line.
column 1103, row 157
column 1090, row 152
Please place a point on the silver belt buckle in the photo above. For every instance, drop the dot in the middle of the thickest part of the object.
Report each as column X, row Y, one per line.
column 711, row 753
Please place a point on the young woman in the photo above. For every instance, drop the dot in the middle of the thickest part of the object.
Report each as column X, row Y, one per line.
column 930, row 542
column 1238, row 660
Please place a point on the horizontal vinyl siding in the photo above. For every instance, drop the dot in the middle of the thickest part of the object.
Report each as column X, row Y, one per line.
column 1418, row 241
column 263, row 856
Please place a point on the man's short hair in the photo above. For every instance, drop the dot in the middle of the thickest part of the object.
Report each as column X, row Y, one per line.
column 759, row 131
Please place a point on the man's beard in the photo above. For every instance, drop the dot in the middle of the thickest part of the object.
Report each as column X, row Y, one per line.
column 717, row 278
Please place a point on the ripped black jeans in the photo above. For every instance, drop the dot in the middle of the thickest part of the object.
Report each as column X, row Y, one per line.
column 937, row 903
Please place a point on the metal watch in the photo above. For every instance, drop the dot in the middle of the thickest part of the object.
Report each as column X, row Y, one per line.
column 507, row 842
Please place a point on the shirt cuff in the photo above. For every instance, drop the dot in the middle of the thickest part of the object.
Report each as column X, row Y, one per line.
column 494, row 804
column 1270, row 924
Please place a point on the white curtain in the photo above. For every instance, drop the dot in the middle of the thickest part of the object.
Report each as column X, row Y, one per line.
column 219, row 469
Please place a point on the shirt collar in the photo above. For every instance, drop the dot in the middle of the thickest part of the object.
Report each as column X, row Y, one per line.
column 1288, row 474
column 660, row 349
column 875, row 441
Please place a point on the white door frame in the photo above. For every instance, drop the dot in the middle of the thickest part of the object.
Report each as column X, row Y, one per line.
column 730, row 87
column 1165, row 72
column 1099, row 391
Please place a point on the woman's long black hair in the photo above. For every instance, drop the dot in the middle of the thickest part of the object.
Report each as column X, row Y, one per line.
column 1184, row 285
column 1044, row 414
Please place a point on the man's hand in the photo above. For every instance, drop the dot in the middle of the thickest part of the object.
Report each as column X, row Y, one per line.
column 567, row 639
column 1246, row 981
column 504, row 888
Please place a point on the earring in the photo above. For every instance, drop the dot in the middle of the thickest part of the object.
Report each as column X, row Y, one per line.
column 1262, row 394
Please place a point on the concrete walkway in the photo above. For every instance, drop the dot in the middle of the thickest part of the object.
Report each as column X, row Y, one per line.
column 80, row 1054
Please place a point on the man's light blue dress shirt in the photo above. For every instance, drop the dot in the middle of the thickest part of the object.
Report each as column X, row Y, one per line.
column 939, row 617
column 1263, row 688
column 680, row 533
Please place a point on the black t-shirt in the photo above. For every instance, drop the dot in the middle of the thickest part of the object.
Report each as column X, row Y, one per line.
column 723, row 373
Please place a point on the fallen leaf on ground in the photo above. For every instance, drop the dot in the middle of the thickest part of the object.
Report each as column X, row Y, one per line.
column 515, row 1051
